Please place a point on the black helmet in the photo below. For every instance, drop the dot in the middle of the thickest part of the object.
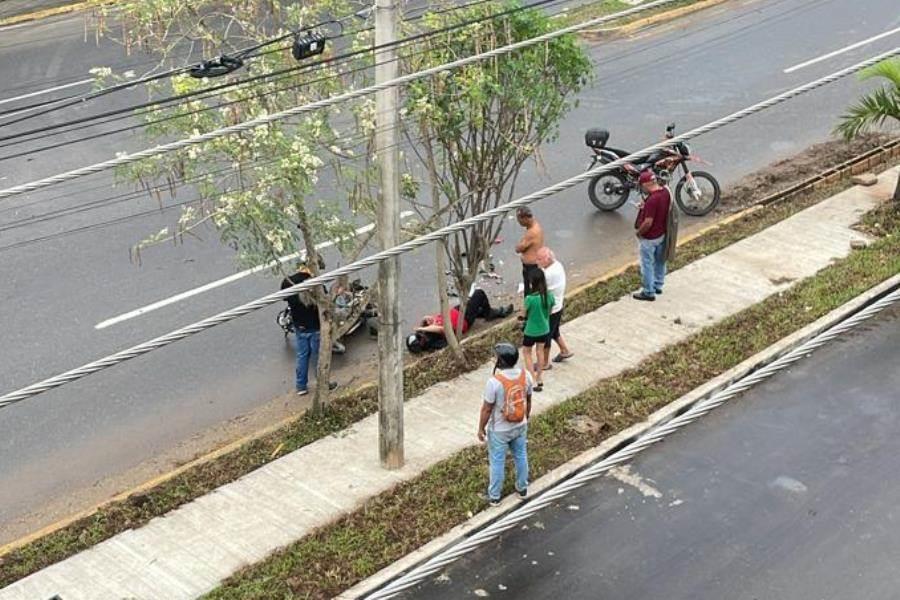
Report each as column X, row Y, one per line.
column 507, row 355
column 414, row 343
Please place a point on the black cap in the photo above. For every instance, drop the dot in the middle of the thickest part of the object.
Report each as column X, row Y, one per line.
column 507, row 355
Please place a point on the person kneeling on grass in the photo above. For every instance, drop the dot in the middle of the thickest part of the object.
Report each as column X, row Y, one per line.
column 429, row 335
column 537, row 326
column 503, row 421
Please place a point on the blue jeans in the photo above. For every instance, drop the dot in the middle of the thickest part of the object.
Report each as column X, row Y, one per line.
column 497, row 443
column 307, row 349
column 653, row 264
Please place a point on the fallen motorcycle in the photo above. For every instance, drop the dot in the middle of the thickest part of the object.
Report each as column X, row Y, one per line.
column 696, row 193
column 354, row 308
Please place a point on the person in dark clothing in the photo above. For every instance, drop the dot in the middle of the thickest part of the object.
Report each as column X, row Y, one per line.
column 650, row 228
column 429, row 335
column 305, row 318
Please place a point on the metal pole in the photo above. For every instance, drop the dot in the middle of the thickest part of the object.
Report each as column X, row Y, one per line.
column 390, row 343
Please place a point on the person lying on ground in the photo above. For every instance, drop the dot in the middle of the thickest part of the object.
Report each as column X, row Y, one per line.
column 429, row 335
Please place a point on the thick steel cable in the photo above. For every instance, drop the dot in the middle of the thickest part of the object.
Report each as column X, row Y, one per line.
column 423, row 240
column 313, row 106
column 418, row 574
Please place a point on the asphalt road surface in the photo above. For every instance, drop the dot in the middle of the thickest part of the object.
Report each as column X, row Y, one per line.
column 788, row 492
column 64, row 273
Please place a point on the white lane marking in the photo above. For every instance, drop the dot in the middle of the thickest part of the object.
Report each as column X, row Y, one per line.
column 224, row 281
column 46, row 91
column 625, row 475
column 16, row 26
column 797, row 67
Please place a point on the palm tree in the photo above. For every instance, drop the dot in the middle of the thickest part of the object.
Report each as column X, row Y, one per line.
column 876, row 108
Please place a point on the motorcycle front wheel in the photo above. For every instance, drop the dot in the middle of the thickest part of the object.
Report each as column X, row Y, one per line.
column 697, row 193
column 608, row 191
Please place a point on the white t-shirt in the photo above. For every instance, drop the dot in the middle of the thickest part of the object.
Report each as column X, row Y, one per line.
column 555, row 275
column 494, row 394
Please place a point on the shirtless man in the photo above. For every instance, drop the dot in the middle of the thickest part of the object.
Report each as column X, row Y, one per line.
column 531, row 242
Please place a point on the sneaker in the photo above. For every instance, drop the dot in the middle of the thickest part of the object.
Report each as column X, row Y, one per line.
column 643, row 296
column 523, row 493
column 302, row 392
column 490, row 501
column 539, row 387
column 658, row 291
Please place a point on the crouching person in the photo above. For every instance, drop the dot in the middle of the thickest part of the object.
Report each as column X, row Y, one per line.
column 503, row 422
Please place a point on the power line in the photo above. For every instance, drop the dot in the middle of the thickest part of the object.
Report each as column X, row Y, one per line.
column 292, row 112
column 207, row 92
column 135, row 195
column 352, row 142
column 423, row 240
column 240, row 55
column 37, row 83
column 171, row 117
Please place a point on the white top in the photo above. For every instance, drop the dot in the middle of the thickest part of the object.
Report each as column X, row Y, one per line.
column 555, row 275
column 496, row 395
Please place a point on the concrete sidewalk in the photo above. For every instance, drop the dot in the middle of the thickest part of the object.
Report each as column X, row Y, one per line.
column 191, row 550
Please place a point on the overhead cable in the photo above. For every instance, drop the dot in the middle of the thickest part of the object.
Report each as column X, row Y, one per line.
column 253, row 79
column 162, row 149
column 422, row 240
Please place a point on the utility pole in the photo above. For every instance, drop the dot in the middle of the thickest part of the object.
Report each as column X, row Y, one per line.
column 390, row 342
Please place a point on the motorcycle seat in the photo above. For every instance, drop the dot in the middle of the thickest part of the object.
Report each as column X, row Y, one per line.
column 618, row 152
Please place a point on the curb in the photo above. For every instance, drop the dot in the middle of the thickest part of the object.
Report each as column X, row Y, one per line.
column 48, row 12
column 622, row 439
column 826, row 178
column 595, row 35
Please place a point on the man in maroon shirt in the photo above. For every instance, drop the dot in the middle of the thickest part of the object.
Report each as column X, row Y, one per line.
column 650, row 227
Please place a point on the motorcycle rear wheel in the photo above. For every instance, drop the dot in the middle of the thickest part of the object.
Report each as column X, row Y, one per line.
column 608, row 191
column 709, row 197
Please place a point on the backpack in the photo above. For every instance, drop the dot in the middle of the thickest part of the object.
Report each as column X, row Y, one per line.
column 513, row 397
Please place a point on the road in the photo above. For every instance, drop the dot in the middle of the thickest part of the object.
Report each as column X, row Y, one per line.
column 788, row 492
column 64, row 275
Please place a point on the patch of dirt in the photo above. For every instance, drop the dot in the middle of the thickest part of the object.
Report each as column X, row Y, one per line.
column 790, row 171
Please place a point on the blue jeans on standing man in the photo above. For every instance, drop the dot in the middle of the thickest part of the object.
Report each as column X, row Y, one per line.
column 653, row 264
column 516, row 440
column 307, row 346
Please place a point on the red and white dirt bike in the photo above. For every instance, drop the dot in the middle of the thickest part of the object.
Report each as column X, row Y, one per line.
column 697, row 192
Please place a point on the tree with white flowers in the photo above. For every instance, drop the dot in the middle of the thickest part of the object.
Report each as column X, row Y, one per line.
column 259, row 188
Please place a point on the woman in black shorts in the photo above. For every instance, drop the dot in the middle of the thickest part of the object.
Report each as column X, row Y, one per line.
column 537, row 326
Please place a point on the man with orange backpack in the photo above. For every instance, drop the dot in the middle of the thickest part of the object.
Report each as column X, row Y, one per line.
column 504, row 420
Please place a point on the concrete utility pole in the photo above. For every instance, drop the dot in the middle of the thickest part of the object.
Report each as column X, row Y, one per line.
column 390, row 341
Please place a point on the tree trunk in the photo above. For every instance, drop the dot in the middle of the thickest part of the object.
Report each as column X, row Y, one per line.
column 897, row 193
column 465, row 281
column 452, row 339
column 440, row 260
column 324, row 304
column 323, row 366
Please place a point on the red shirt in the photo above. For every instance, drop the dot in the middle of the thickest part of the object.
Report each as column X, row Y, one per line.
column 656, row 207
column 454, row 320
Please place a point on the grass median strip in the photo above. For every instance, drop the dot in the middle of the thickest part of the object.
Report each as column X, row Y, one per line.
column 395, row 523
column 138, row 509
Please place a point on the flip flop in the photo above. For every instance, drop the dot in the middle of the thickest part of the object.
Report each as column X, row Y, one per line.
column 561, row 357
column 546, row 368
